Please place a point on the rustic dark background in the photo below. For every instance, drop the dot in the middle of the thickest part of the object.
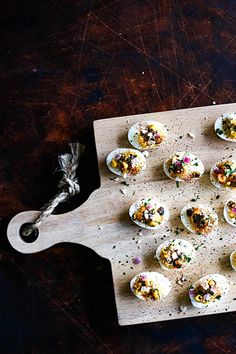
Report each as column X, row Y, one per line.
column 64, row 64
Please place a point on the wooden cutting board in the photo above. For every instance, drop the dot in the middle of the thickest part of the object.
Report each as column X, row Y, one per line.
column 102, row 222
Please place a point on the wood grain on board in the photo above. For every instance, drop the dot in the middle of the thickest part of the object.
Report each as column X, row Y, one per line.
column 102, row 222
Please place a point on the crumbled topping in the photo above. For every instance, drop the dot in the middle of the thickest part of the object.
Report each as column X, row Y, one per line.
column 150, row 135
column 202, row 221
column 206, row 291
column 181, row 280
column 149, row 214
column 182, row 308
column 115, row 179
column 225, row 173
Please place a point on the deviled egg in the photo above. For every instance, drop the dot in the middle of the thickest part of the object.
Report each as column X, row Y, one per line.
column 233, row 260
column 149, row 213
column 150, row 286
column 208, row 290
column 199, row 219
column 147, row 134
column 223, row 174
column 230, row 213
column 175, row 254
column 183, row 166
column 225, row 126
column 126, row 162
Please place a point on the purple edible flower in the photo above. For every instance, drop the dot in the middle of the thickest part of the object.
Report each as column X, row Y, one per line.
column 149, row 206
column 191, row 292
column 137, row 260
column 234, row 210
column 186, row 159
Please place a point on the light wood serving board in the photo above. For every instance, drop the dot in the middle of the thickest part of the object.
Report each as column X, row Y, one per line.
column 102, row 222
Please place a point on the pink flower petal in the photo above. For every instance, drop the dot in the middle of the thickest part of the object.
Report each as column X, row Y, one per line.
column 149, row 206
column 186, row 159
column 143, row 277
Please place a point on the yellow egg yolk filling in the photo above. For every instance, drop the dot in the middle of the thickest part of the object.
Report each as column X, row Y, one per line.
column 147, row 289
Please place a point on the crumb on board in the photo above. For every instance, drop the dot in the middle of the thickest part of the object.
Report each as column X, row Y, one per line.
column 182, row 308
column 181, row 280
column 191, row 135
column 115, row 179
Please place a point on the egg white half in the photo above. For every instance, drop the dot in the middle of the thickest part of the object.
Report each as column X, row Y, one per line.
column 219, row 127
column 185, row 219
column 136, row 205
column 182, row 246
column 123, row 150
column 164, row 285
column 231, row 221
column 199, row 168
column 231, row 260
column 222, row 284
column 133, row 133
column 213, row 180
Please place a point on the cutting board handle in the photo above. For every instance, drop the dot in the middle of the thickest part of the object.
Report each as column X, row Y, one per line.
column 45, row 236
column 77, row 226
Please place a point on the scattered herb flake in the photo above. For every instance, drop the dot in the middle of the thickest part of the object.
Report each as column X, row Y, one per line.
column 201, row 244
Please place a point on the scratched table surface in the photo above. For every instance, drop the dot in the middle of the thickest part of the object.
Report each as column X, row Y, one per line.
column 65, row 64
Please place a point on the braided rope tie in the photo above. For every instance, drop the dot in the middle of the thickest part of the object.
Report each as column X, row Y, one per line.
column 68, row 184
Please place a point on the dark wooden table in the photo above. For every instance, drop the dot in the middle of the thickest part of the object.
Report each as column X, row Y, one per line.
column 63, row 65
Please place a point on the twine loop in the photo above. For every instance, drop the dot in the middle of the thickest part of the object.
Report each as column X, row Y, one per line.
column 74, row 187
column 68, row 185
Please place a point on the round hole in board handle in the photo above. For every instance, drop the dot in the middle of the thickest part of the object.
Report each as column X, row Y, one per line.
column 32, row 236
